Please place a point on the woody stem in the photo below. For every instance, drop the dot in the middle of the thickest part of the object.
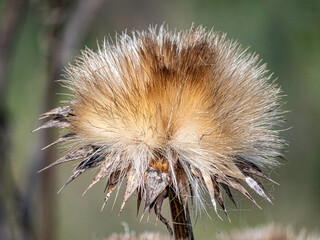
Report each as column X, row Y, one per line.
column 182, row 226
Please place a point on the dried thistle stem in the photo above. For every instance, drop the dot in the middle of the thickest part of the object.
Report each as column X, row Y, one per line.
column 182, row 226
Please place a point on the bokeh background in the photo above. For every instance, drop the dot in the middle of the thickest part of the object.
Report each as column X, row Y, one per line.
column 37, row 38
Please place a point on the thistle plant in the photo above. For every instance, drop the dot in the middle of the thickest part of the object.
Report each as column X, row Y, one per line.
column 175, row 115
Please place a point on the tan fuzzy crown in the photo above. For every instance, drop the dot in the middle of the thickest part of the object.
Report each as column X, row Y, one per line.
column 188, row 110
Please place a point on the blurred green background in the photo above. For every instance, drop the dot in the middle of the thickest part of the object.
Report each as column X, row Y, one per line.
column 286, row 34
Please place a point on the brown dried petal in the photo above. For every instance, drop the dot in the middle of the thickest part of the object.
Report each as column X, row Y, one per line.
column 251, row 168
column 235, row 184
column 207, row 179
column 112, row 184
column 255, row 186
column 228, row 192
column 74, row 175
column 219, row 198
column 131, row 186
column 104, row 171
column 139, row 198
column 81, row 153
column 66, row 137
column 54, row 123
column 91, row 162
column 62, row 111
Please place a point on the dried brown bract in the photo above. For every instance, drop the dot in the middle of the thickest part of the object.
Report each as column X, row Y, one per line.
column 191, row 111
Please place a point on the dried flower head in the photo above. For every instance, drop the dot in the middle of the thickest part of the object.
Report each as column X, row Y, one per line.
column 270, row 232
column 191, row 111
column 143, row 236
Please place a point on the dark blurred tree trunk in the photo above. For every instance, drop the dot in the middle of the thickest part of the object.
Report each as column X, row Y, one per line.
column 69, row 24
column 11, row 22
column 56, row 14
column 15, row 220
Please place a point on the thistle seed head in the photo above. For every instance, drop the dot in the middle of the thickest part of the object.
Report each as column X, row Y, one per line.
column 163, row 109
column 270, row 232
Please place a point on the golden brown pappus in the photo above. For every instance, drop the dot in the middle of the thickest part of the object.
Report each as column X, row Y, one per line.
column 161, row 109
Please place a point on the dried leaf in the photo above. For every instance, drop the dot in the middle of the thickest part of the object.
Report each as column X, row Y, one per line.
column 157, row 209
column 159, row 201
column 155, row 182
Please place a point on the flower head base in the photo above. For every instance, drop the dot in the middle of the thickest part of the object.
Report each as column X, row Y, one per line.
column 188, row 110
